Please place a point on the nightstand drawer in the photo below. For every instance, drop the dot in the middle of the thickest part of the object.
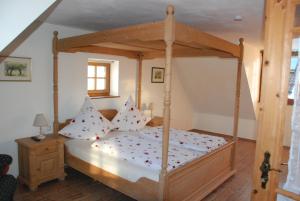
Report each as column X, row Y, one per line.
column 50, row 148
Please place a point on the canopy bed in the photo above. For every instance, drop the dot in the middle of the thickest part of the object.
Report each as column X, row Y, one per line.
column 167, row 38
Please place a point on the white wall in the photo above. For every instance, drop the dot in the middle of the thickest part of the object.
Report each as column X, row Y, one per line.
column 16, row 16
column 181, row 108
column 224, row 124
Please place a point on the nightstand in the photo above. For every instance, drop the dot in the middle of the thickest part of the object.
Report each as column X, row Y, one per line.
column 40, row 161
column 156, row 121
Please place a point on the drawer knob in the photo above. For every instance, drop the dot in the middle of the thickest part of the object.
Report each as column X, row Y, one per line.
column 47, row 149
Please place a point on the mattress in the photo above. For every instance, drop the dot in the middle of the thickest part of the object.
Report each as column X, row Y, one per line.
column 133, row 155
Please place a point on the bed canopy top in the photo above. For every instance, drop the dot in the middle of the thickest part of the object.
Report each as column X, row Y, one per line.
column 148, row 40
column 166, row 39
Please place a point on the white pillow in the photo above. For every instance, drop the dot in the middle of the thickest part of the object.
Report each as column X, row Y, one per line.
column 89, row 124
column 129, row 118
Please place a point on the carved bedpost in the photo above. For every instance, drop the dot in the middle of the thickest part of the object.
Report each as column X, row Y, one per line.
column 55, row 82
column 169, row 37
column 139, row 88
column 237, row 101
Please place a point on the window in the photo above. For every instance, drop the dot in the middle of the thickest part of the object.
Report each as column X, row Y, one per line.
column 98, row 80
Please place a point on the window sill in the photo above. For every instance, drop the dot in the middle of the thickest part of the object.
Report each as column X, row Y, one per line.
column 290, row 101
column 102, row 97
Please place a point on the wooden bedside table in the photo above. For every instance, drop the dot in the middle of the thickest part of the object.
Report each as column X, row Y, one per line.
column 40, row 161
column 156, row 121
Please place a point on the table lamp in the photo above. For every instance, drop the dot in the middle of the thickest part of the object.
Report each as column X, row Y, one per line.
column 40, row 121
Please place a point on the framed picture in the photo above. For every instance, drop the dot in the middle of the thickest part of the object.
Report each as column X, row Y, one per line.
column 158, row 75
column 15, row 69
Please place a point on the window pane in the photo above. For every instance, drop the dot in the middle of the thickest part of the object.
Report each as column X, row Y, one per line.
column 101, row 71
column 91, row 71
column 100, row 84
column 91, row 84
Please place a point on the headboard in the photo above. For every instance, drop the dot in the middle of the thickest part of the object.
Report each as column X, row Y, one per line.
column 108, row 114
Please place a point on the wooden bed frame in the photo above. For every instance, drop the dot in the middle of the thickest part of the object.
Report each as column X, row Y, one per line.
column 194, row 186
column 168, row 39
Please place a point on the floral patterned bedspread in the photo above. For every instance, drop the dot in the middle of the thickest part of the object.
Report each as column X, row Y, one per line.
column 140, row 150
column 186, row 139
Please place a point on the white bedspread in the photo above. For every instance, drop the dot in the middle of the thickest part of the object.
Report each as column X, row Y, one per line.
column 186, row 139
column 142, row 151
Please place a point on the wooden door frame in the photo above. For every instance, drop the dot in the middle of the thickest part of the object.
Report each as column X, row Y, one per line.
column 279, row 21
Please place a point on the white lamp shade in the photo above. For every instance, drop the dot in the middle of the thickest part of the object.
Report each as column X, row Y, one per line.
column 40, row 121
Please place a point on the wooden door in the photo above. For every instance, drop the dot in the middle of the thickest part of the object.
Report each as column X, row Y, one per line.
column 279, row 31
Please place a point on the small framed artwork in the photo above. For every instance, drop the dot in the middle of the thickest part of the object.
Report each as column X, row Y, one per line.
column 158, row 75
column 15, row 69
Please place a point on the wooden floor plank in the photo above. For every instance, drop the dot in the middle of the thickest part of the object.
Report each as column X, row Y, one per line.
column 78, row 187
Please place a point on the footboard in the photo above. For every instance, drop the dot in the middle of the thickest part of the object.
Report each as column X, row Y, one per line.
column 197, row 179
column 144, row 189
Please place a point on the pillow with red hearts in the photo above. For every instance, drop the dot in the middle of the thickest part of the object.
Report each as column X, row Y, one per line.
column 129, row 118
column 89, row 124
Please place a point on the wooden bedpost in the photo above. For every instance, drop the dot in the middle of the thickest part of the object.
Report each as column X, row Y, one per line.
column 55, row 82
column 169, row 37
column 237, row 101
column 139, row 88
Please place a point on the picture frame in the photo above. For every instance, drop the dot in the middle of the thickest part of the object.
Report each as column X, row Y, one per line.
column 15, row 69
column 157, row 75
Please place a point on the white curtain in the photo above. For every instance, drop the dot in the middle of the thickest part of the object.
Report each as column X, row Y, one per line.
column 293, row 179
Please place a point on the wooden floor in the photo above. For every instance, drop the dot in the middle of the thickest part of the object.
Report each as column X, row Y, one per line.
column 79, row 187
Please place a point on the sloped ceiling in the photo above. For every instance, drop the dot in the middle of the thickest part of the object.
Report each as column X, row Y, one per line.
column 19, row 19
column 210, row 86
column 215, row 16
